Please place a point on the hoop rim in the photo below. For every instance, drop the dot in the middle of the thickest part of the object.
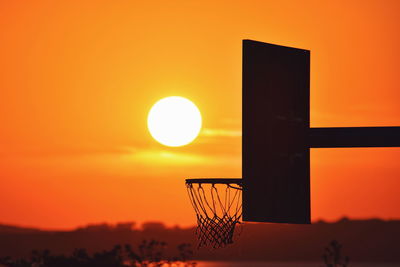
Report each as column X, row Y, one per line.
column 238, row 181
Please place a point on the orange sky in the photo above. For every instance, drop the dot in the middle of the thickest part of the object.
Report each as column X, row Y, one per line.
column 77, row 79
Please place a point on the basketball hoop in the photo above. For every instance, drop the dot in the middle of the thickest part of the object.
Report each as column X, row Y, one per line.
column 218, row 206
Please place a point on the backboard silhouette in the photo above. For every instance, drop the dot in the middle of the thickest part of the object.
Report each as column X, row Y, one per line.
column 276, row 165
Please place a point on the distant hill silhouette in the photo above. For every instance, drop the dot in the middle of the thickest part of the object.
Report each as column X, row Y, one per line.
column 371, row 240
column 9, row 229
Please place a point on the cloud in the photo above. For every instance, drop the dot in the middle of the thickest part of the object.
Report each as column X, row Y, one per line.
column 155, row 157
column 167, row 157
column 221, row 133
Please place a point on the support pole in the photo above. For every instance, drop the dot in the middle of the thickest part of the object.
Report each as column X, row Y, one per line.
column 354, row 137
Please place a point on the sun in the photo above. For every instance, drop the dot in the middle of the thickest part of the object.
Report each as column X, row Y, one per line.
column 174, row 121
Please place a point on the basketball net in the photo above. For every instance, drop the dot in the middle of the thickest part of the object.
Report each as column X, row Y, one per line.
column 219, row 209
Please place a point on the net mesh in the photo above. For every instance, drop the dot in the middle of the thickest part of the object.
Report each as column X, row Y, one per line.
column 219, row 209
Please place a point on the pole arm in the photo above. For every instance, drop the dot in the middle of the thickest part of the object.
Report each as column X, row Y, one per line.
column 354, row 137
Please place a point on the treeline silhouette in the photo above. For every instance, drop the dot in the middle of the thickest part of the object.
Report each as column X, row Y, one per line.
column 371, row 240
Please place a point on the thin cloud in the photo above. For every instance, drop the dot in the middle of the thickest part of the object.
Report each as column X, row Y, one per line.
column 221, row 133
column 167, row 157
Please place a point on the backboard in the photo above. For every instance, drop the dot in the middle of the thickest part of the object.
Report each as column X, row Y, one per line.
column 275, row 150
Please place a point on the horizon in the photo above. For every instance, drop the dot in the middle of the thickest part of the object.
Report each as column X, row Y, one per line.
column 139, row 225
column 257, row 241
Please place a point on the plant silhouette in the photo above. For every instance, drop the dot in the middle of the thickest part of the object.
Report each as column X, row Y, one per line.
column 148, row 253
column 333, row 256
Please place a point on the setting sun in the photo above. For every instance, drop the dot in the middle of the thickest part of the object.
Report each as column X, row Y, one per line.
column 174, row 121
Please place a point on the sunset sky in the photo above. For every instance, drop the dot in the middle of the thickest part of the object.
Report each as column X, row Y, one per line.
column 78, row 78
